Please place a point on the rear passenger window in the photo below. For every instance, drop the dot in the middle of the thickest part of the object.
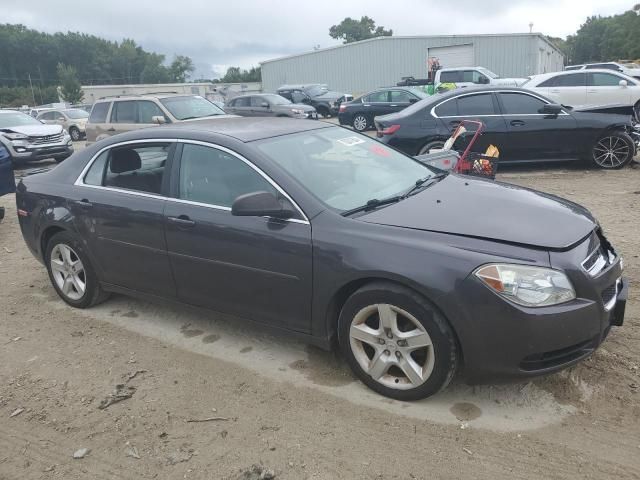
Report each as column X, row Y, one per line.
column 214, row 177
column 572, row 80
column 378, row 97
column 476, row 105
column 99, row 112
column 124, row 112
column 447, row 109
column 132, row 167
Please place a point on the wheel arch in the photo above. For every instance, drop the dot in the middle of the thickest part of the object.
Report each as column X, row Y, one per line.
column 342, row 294
column 47, row 234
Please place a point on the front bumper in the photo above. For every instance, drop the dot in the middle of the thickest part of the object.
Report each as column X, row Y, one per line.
column 24, row 152
column 502, row 341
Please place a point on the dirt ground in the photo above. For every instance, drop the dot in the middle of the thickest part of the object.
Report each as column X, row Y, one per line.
column 292, row 410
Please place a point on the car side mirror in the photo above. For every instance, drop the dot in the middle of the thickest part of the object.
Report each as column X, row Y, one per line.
column 259, row 204
column 483, row 80
column 623, row 83
column 159, row 119
column 551, row 109
column 413, row 100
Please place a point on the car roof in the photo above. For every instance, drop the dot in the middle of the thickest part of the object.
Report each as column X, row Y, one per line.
column 305, row 85
column 143, row 96
column 544, row 76
column 248, row 129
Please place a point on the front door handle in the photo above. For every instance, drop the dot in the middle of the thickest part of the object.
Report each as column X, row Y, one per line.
column 182, row 221
column 84, row 203
column 111, row 129
column 517, row 123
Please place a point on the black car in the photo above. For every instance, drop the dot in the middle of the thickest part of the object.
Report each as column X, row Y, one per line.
column 317, row 95
column 525, row 126
column 360, row 112
column 327, row 233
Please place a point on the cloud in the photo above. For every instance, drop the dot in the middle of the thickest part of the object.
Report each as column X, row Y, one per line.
column 217, row 33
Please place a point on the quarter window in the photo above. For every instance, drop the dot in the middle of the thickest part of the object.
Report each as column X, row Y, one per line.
column 214, row 177
column 124, row 112
column 99, row 112
column 520, row 103
column 131, row 167
column 470, row 105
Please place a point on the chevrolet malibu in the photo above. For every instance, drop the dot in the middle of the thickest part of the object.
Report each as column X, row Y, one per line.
column 313, row 229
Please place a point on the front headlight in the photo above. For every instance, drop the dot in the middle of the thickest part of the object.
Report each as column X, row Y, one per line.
column 15, row 136
column 297, row 111
column 527, row 286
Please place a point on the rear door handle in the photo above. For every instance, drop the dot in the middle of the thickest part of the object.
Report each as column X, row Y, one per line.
column 517, row 123
column 84, row 203
column 182, row 221
column 111, row 129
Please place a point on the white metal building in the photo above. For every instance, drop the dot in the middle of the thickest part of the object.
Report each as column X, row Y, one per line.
column 361, row 66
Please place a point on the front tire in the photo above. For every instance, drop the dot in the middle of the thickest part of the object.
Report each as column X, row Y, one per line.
column 360, row 122
column 396, row 342
column 71, row 272
column 613, row 150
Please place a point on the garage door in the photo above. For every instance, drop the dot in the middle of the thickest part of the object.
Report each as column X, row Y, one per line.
column 453, row 56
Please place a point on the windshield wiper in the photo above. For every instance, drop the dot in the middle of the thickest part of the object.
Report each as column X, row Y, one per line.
column 422, row 183
column 371, row 204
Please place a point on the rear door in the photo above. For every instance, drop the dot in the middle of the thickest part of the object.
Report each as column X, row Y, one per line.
column 534, row 135
column 604, row 88
column 255, row 267
column 118, row 207
column 567, row 89
column 473, row 106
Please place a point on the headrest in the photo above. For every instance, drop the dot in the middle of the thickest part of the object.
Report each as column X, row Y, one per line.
column 125, row 160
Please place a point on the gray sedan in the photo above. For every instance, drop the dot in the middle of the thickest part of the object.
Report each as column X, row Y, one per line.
column 268, row 105
column 330, row 235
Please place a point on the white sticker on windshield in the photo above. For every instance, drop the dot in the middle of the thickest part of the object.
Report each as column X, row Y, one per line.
column 350, row 141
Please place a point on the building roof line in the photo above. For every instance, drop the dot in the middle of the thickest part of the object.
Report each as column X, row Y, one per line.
column 407, row 37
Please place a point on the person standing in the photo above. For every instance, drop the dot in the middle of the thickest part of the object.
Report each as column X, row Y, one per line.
column 7, row 180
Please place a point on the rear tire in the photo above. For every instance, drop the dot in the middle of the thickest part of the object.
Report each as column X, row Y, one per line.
column 324, row 111
column 360, row 122
column 71, row 272
column 434, row 144
column 397, row 342
column 75, row 134
column 613, row 151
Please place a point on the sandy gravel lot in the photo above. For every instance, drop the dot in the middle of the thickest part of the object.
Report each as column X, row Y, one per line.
column 290, row 408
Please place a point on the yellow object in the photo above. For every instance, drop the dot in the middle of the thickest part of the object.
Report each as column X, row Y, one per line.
column 492, row 151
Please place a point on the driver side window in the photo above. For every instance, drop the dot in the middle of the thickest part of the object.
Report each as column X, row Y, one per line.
column 298, row 97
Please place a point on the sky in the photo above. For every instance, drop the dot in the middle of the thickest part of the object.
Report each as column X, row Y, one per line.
column 218, row 34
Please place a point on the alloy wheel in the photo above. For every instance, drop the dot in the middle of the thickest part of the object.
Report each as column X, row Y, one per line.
column 75, row 134
column 392, row 346
column 424, row 150
column 611, row 152
column 360, row 123
column 68, row 272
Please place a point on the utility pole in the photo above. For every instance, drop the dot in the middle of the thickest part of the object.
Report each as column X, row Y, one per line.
column 33, row 95
column 531, row 27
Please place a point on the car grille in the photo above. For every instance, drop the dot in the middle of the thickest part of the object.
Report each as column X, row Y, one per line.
column 609, row 293
column 555, row 358
column 601, row 256
column 46, row 139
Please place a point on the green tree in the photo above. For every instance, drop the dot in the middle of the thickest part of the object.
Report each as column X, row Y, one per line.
column 238, row 75
column 350, row 30
column 181, row 68
column 70, row 88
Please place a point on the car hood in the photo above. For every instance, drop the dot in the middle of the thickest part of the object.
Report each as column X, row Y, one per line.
column 511, row 82
column 34, row 130
column 330, row 96
column 462, row 205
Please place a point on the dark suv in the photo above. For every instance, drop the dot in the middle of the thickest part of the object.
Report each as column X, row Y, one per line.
column 326, row 102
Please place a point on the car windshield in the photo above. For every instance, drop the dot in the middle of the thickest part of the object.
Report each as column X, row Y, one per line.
column 316, row 90
column 488, row 73
column 276, row 99
column 188, row 107
column 343, row 169
column 16, row 119
column 76, row 113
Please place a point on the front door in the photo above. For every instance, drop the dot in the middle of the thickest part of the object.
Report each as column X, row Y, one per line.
column 400, row 99
column 254, row 267
column 604, row 89
column 534, row 135
column 260, row 107
column 118, row 208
